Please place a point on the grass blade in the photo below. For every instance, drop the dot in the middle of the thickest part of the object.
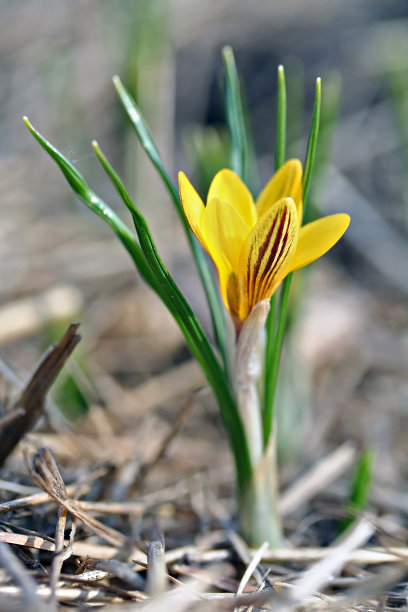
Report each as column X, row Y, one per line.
column 360, row 486
column 146, row 139
column 312, row 144
column 235, row 114
column 275, row 329
column 280, row 144
column 155, row 274
column 94, row 202
column 273, row 357
column 148, row 144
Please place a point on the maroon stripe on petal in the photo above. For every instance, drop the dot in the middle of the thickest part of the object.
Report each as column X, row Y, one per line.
column 275, row 259
column 253, row 270
column 269, row 269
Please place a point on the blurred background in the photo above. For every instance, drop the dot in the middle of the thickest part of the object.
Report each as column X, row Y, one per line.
column 345, row 367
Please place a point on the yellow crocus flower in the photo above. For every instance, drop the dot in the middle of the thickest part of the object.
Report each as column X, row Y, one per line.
column 254, row 245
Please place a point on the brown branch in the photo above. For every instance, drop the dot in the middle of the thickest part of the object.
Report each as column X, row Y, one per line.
column 31, row 400
column 45, row 473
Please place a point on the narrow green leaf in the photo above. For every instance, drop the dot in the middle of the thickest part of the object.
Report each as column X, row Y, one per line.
column 157, row 277
column 94, row 202
column 251, row 173
column 312, row 144
column 270, row 330
column 329, row 113
column 360, row 486
column 280, row 144
column 235, row 114
column 146, row 139
column 274, row 356
column 275, row 329
column 193, row 333
column 148, row 144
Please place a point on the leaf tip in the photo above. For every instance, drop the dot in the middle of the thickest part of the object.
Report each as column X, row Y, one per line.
column 117, row 82
column 30, row 126
column 27, row 122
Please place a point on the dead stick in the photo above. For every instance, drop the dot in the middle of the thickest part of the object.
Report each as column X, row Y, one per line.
column 33, row 395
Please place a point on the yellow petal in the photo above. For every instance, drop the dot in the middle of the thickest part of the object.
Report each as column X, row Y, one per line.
column 267, row 253
column 286, row 183
column 316, row 238
column 227, row 186
column 224, row 233
column 193, row 205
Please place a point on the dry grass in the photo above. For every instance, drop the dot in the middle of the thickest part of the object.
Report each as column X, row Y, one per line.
column 105, row 540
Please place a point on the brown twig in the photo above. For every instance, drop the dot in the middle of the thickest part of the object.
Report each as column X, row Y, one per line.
column 44, row 471
column 60, row 554
column 31, row 400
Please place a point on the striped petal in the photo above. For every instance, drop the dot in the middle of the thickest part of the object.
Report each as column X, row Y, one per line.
column 227, row 186
column 285, row 183
column 224, row 232
column 318, row 237
column 267, row 254
column 193, row 206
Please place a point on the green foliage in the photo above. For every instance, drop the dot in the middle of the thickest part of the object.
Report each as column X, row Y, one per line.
column 152, row 269
column 360, row 486
column 148, row 144
column 281, row 123
column 69, row 397
column 143, row 251
column 276, row 330
column 312, row 144
column 235, row 115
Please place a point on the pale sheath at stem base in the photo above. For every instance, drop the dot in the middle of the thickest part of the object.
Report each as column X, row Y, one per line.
column 258, row 505
column 259, row 519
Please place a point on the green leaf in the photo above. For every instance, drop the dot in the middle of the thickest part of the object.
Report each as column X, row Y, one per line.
column 360, row 485
column 312, row 144
column 275, row 343
column 235, row 114
column 330, row 105
column 153, row 271
column 94, row 202
column 273, row 356
column 280, row 144
column 148, row 144
column 193, row 333
column 275, row 328
column 146, row 139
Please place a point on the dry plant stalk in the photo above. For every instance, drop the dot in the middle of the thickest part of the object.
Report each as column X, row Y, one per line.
column 32, row 398
column 44, row 471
